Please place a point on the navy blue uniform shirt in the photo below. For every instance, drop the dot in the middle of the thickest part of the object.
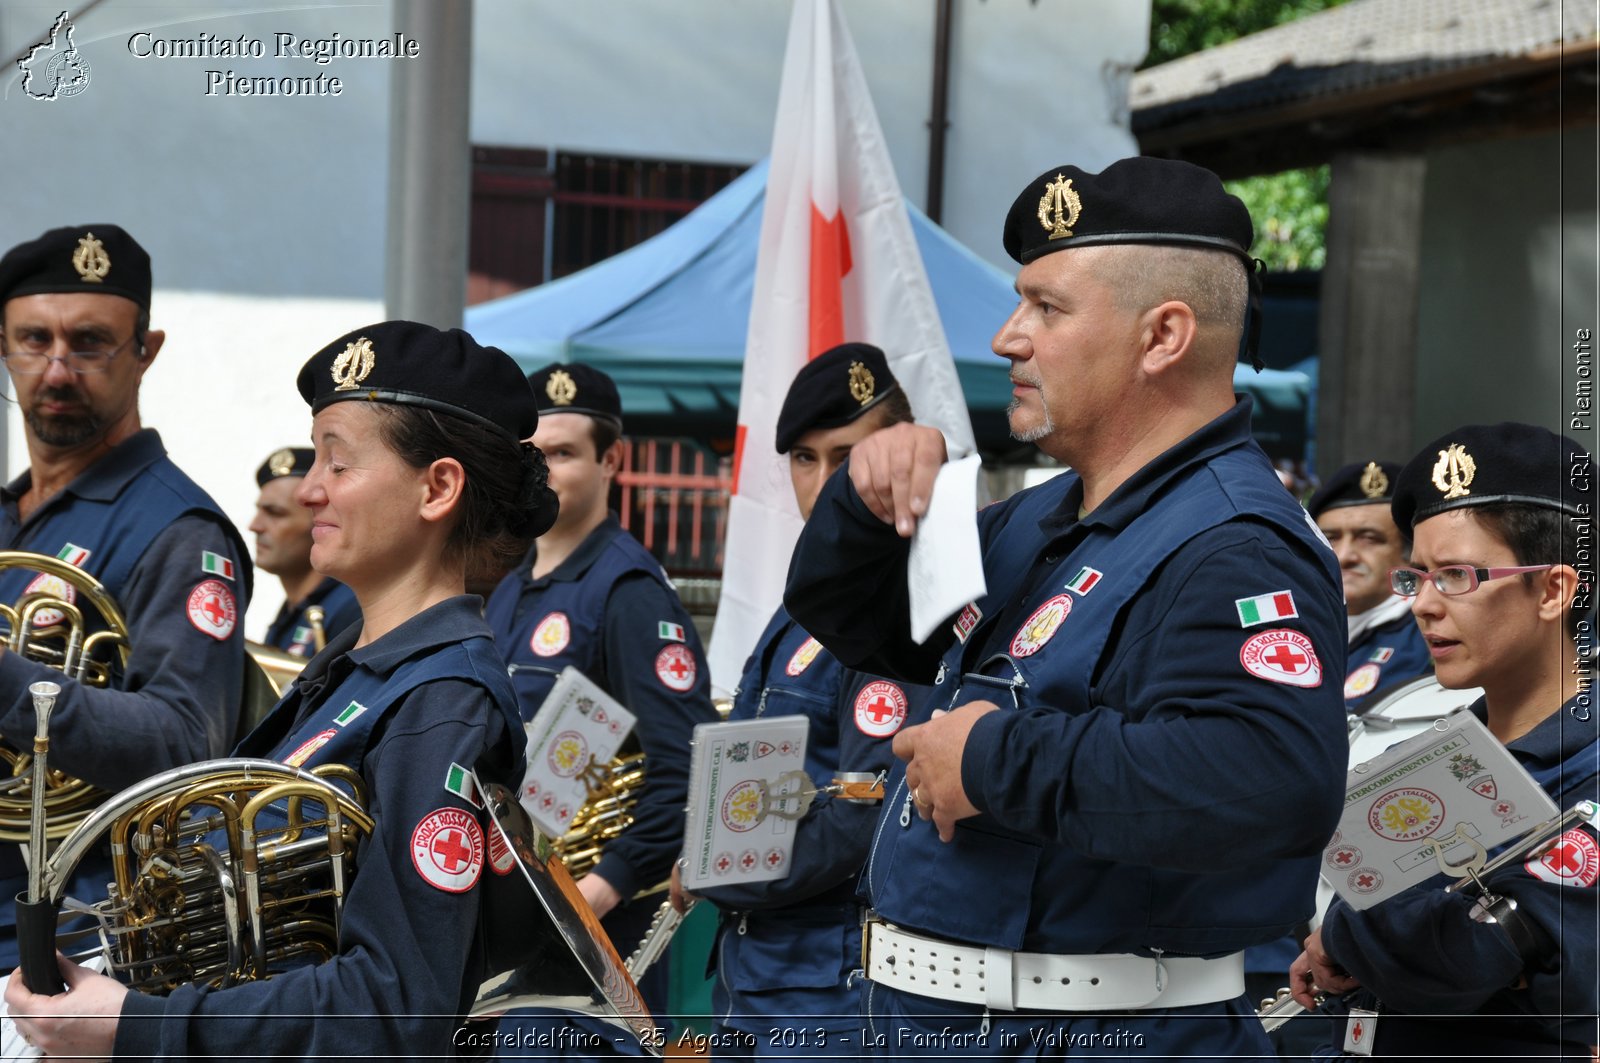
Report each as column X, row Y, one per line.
column 1422, row 953
column 411, row 947
column 786, row 946
column 181, row 577
column 292, row 632
column 1170, row 754
column 609, row 611
column 1385, row 655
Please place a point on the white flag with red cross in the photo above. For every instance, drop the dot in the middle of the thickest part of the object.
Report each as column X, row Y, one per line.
column 837, row 262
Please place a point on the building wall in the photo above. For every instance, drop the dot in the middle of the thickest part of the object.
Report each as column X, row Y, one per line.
column 265, row 216
column 1508, row 278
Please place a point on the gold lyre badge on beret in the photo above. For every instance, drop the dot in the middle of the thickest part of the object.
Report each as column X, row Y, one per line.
column 1059, row 208
column 561, row 388
column 1453, row 472
column 1374, row 484
column 862, row 384
column 353, row 364
column 282, row 462
column 91, row 260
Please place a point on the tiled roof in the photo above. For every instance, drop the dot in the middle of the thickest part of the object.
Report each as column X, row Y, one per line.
column 1362, row 45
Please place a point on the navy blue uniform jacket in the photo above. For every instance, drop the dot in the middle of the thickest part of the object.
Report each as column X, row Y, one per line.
column 411, row 947
column 1170, row 755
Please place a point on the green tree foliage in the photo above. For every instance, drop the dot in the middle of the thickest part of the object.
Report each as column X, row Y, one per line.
column 1290, row 208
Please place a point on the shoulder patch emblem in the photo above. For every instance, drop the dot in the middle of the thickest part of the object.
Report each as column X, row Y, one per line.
column 551, row 636
column 501, row 860
column 447, row 849
column 1084, row 581
column 803, row 657
column 457, row 781
column 212, row 609
column 1574, row 860
column 1265, row 608
column 1282, row 656
column 308, row 747
column 880, row 709
column 967, row 622
column 50, row 587
column 1041, row 626
column 73, row 554
column 669, row 631
column 216, row 565
column 675, row 667
column 1382, row 655
column 1361, row 681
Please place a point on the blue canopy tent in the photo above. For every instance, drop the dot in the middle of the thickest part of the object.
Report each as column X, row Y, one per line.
column 667, row 320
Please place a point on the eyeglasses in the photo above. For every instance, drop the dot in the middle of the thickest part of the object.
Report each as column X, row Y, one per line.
column 1452, row 579
column 25, row 362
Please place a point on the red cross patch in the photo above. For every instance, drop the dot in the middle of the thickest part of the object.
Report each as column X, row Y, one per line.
column 1574, row 860
column 675, row 667
column 212, row 610
column 447, row 849
column 880, row 709
column 1282, row 656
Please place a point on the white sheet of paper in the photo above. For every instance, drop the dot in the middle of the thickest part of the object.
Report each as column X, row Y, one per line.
column 945, row 568
column 726, row 838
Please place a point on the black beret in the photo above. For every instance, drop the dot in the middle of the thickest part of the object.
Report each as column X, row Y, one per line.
column 285, row 461
column 410, row 364
column 1361, row 483
column 833, row 389
column 562, row 387
column 1495, row 464
column 101, row 259
column 1141, row 200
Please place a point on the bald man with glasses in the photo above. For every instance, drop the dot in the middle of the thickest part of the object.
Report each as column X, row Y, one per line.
column 101, row 494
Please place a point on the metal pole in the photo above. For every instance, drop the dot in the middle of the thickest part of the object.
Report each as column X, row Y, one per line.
column 940, row 120
column 430, row 164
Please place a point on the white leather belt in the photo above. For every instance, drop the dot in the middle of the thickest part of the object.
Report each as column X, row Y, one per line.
column 1036, row 981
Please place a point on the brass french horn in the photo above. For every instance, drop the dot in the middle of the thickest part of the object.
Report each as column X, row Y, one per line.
column 44, row 626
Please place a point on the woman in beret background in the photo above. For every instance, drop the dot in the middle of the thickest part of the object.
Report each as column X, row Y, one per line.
column 419, row 478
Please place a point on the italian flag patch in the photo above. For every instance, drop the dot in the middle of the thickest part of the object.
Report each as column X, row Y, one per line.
column 215, row 565
column 349, row 712
column 458, row 782
column 669, row 631
column 73, row 554
column 1085, row 580
column 1265, row 608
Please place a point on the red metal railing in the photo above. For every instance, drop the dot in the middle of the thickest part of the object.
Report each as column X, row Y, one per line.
column 674, row 499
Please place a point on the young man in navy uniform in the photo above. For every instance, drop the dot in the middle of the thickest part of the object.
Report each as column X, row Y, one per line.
column 315, row 607
column 100, row 493
column 787, row 949
column 1501, row 519
column 1141, row 748
column 589, row 595
column 1352, row 509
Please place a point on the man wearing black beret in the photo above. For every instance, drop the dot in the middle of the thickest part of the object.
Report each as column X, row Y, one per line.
column 100, row 493
column 314, row 606
column 786, row 947
column 1147, row 689
column 1501, row 581
column 590, row 596
column 1352, row 510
